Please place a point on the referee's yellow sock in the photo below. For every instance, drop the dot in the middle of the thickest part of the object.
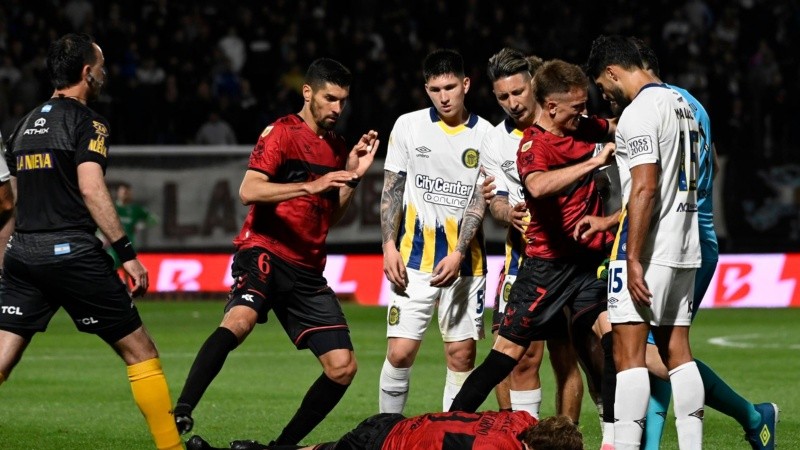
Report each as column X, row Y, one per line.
column 151, row 394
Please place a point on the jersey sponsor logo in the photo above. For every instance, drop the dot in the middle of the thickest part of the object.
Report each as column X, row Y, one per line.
column 394, row 315
column 35, row 161
column 686, row 207
column 40, row 122
column 36, row 131
column 100, row 129
column 443, row 192
column 509, row 166
column 87, row 321
column 470, row 158
column 98, row 145
column 422, row 152
column 640, row 145
column 11, row 310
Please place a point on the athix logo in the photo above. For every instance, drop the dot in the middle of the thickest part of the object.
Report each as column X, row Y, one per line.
column 443, row 192
column 40, row 122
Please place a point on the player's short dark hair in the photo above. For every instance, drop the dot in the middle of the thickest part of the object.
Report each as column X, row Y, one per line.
column 553, row 433
column 326, row 70
column 442, row 62
column 608, row 50
column 558, row 77
column 649, row 58
column 66, row 58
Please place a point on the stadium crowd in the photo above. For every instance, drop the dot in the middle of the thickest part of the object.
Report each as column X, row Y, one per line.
column 207, row 72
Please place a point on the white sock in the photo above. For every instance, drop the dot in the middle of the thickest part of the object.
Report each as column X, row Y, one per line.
column 393, row 391
column 526, row 401
column 689, row 395
column 630, row 407
column 452, row 384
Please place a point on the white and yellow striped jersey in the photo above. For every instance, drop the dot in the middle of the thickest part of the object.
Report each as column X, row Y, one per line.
column 441, row 165
column 658, row 127
column 499, row 159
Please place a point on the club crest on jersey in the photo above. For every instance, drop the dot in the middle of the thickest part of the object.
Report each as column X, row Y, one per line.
column 470, row 158
column 266, row 131
column 394, row 315
column 506, row 291
column 526, row 146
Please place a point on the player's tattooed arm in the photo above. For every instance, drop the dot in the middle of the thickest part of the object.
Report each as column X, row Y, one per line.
column 473, row 217
column 500, row 208
column 392, row 204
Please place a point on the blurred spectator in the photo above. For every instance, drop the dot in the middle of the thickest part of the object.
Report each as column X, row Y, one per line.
column 215, row 132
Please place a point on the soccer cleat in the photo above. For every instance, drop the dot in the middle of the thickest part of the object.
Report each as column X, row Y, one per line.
column 763, row 436
column 197, row 443
column 248, row 445
column 183, row 418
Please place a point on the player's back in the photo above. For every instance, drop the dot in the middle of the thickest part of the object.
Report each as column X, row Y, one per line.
column 43, row 153
column 488, row 430
column 441, row 164
column 658, row 127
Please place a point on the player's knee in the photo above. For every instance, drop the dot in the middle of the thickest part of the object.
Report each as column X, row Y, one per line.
column 461, row 359
column 240, row 321
column 342, row 372
column 400, row 358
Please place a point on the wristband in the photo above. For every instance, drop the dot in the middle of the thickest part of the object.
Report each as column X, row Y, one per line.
column 124, row 249
column 354, row 182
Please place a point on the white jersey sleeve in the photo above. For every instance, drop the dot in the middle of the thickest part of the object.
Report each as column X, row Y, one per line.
column 398, row 147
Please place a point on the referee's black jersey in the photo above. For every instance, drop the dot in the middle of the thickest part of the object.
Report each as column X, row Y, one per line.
column 44, row 153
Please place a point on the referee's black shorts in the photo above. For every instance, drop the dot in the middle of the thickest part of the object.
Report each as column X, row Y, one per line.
column 69, row 269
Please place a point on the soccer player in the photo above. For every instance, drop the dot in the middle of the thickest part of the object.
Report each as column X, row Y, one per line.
column 488, row 430
column 133, row 216
column 58, row 154
column 757, row 420
column 431, row 214
column 299, row 182
column 511, row 74
column 657, row 250
column 556, row 166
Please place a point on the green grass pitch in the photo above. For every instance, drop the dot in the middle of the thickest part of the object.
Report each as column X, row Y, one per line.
column 71, row 392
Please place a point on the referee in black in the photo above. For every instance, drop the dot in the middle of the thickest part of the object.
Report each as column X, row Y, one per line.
column 57, row 155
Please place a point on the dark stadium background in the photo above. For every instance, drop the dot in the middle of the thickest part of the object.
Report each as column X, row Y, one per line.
column 174, row 63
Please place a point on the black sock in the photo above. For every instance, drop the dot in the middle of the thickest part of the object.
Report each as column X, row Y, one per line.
column 207, row 364
column 320, row 399
column 608, row 390
column 482, row 380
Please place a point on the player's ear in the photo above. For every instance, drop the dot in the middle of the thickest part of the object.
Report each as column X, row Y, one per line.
column 466, row 84
column 611, row 73
column 307, row 93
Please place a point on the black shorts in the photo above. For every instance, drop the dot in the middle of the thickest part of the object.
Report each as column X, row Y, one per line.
column 543, row 288
column 69, row 269
column 369, row 434
column 301, row 299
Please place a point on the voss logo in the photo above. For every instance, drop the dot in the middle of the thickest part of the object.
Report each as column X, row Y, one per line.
column 640, row 145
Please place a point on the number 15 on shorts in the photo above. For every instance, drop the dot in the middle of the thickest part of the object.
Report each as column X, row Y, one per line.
column 617, row 282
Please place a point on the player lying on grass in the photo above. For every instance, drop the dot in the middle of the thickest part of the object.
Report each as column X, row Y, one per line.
column 504, row 430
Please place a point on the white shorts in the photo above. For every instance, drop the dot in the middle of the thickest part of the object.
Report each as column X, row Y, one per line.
column 672, row 289
column 502, row 300
column 460, row 308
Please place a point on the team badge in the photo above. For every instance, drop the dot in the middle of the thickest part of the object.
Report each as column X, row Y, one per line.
column 506, row 291
column 526, row 146
column 394, row 315
column 470, row 158
column 266, row 131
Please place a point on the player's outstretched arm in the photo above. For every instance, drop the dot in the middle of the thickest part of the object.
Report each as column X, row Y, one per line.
column 391, row 214
column 256, row 187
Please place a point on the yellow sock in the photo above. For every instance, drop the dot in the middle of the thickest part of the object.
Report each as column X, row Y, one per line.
column 151, row 394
